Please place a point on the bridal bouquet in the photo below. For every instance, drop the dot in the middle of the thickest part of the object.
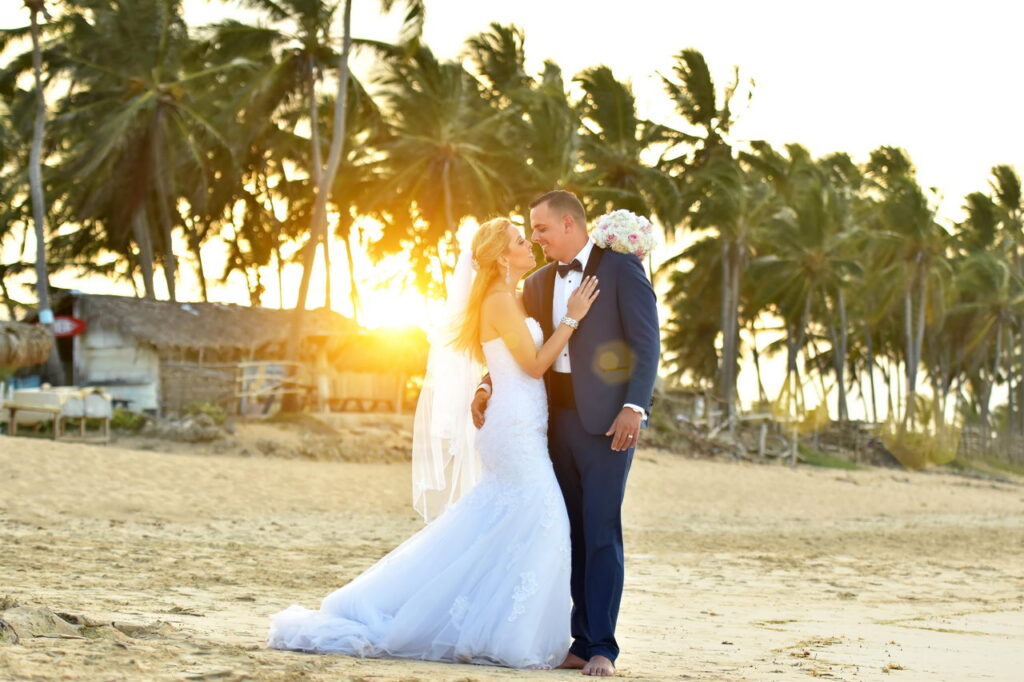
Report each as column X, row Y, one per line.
column 625, row 232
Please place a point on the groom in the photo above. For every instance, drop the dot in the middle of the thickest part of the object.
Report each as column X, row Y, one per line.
column 599, row 394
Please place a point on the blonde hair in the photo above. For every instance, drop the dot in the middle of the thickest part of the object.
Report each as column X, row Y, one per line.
column 490, row 243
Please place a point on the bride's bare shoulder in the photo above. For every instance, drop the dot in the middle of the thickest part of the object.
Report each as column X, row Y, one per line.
column 498, row 301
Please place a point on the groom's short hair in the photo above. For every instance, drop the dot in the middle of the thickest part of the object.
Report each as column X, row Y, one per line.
column 563, row 202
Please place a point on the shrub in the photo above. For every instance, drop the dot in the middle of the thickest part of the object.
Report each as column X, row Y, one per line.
column 126, row 420
column 211, row 410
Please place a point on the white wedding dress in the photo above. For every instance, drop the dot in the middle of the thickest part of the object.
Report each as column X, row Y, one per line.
column 487, row 581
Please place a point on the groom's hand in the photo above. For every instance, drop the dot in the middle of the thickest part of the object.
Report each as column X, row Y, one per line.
column 625, row 429
column 478, row 406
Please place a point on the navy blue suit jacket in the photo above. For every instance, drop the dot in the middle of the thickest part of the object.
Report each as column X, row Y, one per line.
column 614, row 353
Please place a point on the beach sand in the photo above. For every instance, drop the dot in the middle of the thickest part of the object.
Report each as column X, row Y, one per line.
column 734, row 571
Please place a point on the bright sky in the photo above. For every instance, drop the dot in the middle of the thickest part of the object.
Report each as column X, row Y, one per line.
column 937, row 77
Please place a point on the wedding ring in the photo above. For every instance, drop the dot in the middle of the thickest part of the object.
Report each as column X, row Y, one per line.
column 630, row 436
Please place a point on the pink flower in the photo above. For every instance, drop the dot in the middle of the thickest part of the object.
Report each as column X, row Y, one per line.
column 634, row 237
column 611, row 238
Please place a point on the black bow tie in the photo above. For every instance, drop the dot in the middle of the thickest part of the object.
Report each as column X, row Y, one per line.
column 564, row 270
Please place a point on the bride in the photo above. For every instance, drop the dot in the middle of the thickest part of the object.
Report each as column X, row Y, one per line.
column 487, row 581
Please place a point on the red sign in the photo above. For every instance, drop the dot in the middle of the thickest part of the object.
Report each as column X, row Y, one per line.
column 65, row 325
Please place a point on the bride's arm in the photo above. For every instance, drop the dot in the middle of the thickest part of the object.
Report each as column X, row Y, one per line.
column 511, row 326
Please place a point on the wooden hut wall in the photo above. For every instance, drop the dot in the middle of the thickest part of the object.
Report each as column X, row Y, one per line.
column 184, row 383
column 128, row 370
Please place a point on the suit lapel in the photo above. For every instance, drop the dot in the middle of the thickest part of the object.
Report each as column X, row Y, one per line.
column 595, row 257
column 547, row 289
column 547, row 301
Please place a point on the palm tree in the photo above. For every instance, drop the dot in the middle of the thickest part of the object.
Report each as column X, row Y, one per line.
column 355, row 183
column 995, row 224
column 39, row 208
column 612, row 143
column 1009, row 200
column 708, row 113
column 443, row 161
column 714, row 192
column 990, row 306
column 810, row 266
column 918, row 264
column 325, row 177
column 738, row 205
column 129, row 116
column 543, row 122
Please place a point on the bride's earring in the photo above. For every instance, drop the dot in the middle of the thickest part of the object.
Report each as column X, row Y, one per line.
column 508, row 274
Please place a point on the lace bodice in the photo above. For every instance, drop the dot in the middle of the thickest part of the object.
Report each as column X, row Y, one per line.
column 517, row 410
column 509, row 379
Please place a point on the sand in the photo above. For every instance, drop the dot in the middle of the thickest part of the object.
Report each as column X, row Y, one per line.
column 734, row 571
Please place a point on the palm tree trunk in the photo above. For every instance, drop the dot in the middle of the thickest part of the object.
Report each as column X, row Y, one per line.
column 1020, row 386
column 889, row 374
column 922, row 298
column 129, row 274
column 54, row 368
column 726, row 300
column 327, row 268
column 446, row 188
column 871, row 372
column 734, row 336
column 816, row 365
column 140, row 230
column 276, row 237
column 762, row 395
column 353, row 290
column 333, row 160
column 844, row 411
column 318, row 173
column 908, row 335
column 987, row 397
column 162, row 177
column 1013, row 388
column 11, row 310
column 279, row 262
column 791, row 369
column 314, row 124
column 196, row 248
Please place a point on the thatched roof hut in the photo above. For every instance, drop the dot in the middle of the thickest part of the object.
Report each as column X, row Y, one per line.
column 208, row 326
column 219, row 330
column 160, row 355
column 22, row 345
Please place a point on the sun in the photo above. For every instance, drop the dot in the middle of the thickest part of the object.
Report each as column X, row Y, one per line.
column 396, row 307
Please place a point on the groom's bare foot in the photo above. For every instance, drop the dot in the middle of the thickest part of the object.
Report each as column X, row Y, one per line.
column 572, row 662
column 599, row 666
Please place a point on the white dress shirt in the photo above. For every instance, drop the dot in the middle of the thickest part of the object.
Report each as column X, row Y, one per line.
column 564, row 286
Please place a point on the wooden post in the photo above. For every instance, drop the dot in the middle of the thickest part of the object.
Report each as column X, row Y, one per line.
column 793, row 449
column 761, row 439
column 76, row 347
column 401, row 393
column 323, row 380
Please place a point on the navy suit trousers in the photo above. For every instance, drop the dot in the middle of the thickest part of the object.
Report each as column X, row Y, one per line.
column 593, row 481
